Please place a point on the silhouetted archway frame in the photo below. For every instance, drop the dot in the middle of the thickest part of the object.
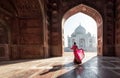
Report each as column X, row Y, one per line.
column 95, row 15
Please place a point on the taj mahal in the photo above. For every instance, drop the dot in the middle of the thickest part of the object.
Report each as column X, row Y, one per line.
column 83, row 40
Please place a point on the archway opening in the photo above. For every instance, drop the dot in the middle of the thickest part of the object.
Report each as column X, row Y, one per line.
column 82, row 29
column 93, row 14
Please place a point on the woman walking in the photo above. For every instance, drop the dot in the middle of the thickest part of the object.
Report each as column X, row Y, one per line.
column 78, row 54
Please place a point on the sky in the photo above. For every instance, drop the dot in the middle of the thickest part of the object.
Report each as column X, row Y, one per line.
column 74, row 21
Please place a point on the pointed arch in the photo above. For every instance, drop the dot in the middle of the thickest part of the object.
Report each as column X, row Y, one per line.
column 95, row 15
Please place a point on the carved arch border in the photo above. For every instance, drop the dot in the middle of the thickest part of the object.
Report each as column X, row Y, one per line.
column 95, row 15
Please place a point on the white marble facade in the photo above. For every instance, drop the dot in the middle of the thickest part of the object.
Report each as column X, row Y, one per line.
column 83, row 39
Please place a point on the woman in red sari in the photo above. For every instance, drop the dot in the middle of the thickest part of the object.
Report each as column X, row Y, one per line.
column 78, row 54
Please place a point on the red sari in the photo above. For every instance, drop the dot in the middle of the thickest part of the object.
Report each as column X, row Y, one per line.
column 78, row 54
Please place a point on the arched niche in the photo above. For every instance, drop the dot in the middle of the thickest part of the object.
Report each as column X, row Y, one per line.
column 95, row 15
column 4, row 40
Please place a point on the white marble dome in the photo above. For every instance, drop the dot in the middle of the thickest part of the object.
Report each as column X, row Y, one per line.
column 80, row 30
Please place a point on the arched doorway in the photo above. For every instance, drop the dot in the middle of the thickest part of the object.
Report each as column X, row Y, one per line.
column 95, row 15
column 4, row 40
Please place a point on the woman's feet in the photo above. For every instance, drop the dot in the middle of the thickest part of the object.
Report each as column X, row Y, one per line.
column 77, row 62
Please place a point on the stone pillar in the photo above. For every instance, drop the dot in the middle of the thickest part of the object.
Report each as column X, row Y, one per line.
column 108, row 32
column 117, row 28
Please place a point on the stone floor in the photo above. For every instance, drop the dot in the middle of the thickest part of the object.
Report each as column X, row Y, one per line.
column 62, row 67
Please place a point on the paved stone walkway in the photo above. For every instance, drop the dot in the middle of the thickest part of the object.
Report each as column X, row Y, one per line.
column 62, row 67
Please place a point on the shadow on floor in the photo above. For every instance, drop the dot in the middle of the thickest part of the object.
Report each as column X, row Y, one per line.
column 77, row 69
column 56, row 68
column 75, row 73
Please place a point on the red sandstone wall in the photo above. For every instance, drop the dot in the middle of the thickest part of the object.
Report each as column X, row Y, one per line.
column 5, row 20
column 27, row 39
column 54, row 28
column 117, row 29
column 28, row 36
column 27, row 33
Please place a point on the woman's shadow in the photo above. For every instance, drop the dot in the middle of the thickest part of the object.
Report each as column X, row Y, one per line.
column 54, row 68
column 59, row 67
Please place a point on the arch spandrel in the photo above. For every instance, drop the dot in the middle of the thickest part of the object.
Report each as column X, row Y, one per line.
column 84, row 9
